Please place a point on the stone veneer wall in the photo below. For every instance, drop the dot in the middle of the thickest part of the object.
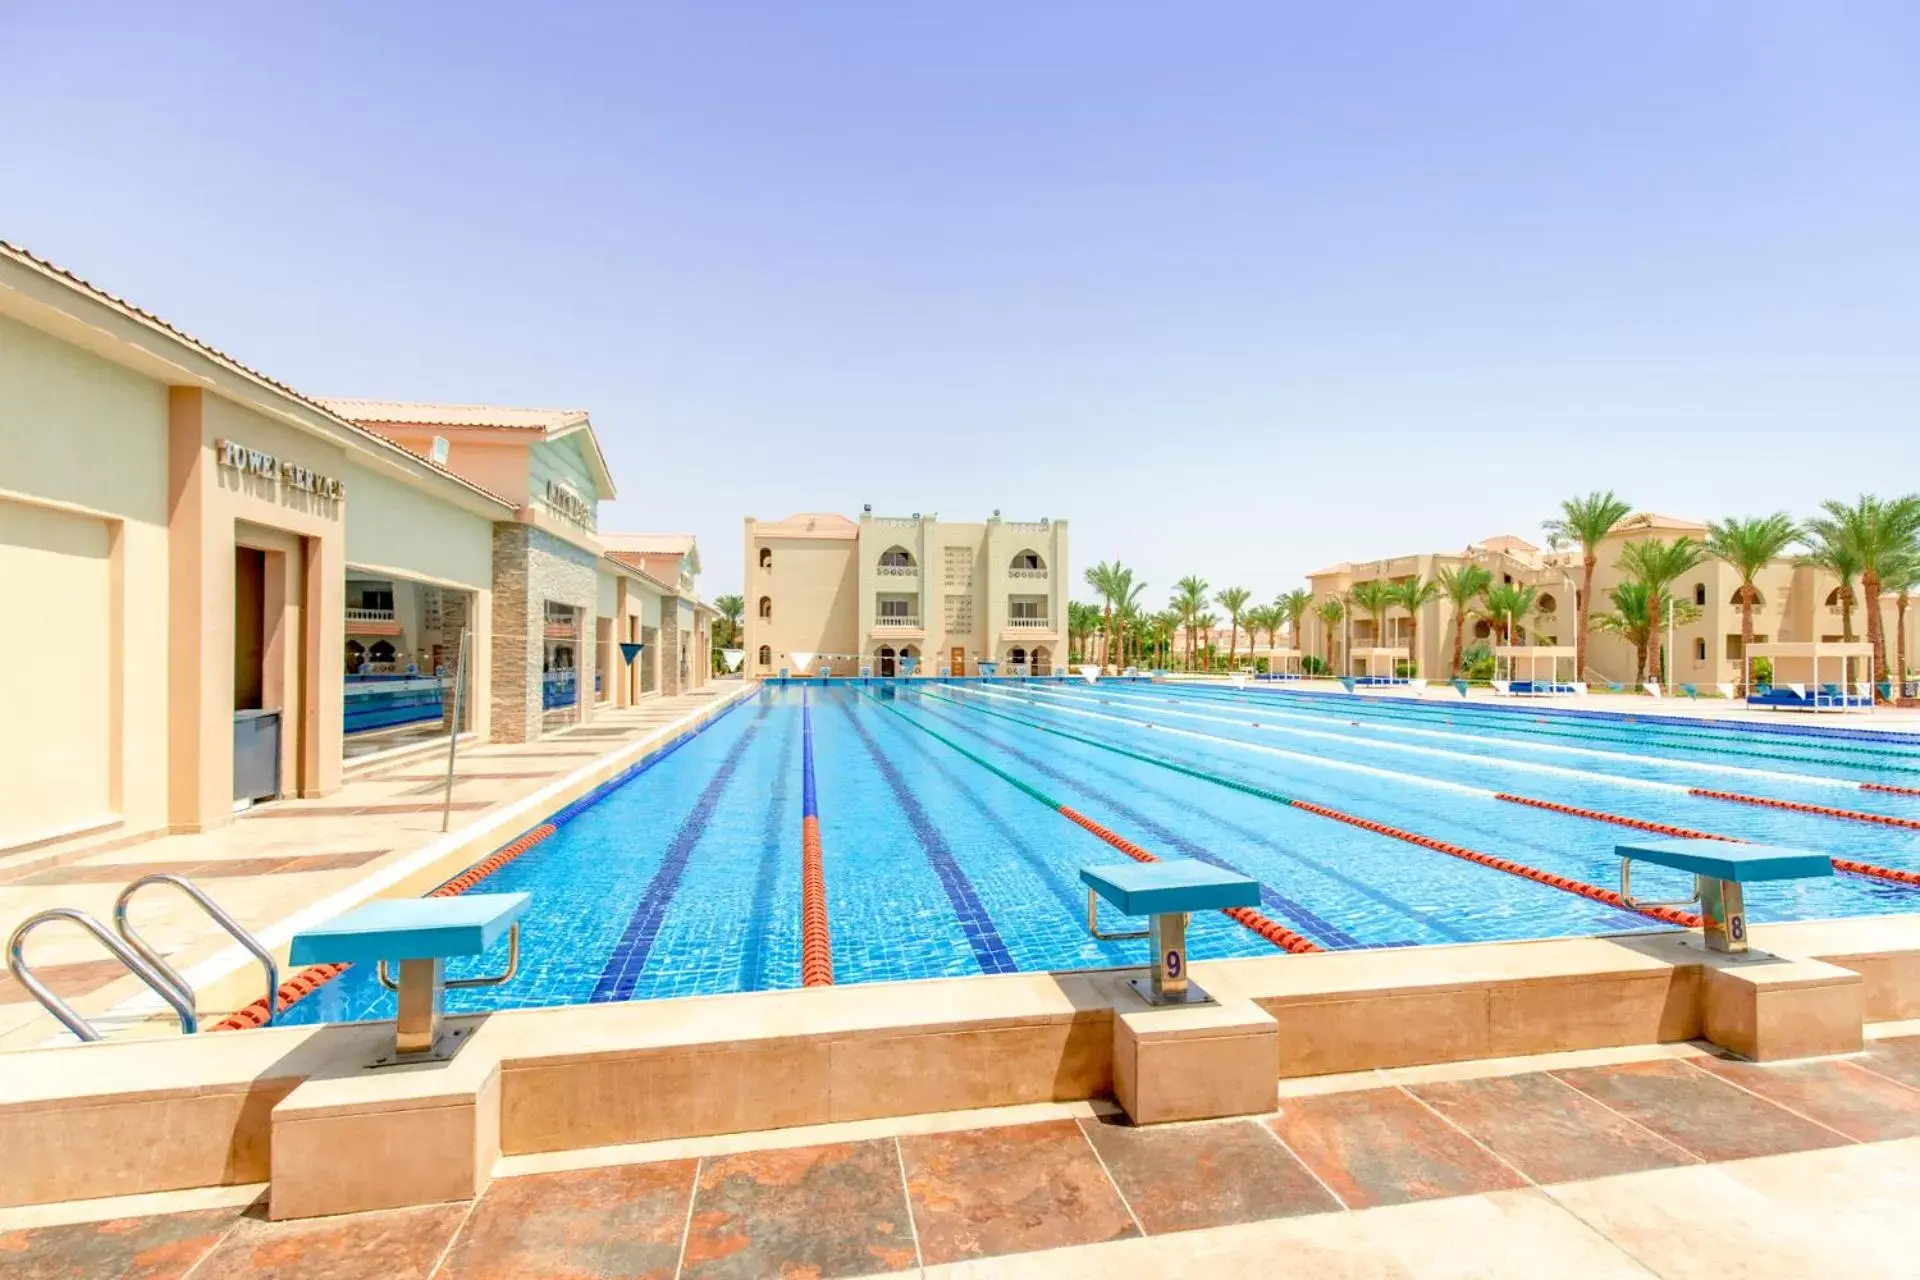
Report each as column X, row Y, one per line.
column 531, row 567
column 670, row 646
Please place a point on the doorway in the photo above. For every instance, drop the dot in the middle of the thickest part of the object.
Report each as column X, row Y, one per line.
column 957, row 657
column 256, row 727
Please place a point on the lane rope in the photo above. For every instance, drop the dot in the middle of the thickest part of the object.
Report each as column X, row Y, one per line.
column 816, row 937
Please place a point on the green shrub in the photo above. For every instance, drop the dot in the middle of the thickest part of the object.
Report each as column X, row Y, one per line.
column 1312, row 666
column 1763, row 670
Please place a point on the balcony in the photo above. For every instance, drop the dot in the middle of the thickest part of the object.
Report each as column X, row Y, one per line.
column 897, row 622
column 897, row 570
column 1029, row 624
column 1028, row 574
column 370, row 615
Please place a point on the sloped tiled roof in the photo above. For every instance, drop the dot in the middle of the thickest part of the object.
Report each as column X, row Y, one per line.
column 28, row 258
column 650, row 544
column 809, row 524
column 1654, row 520
column 455, row 415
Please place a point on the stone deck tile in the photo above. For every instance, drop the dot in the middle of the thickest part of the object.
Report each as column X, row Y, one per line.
column 162, row 1247
column 586, row 1224
column 1548, row 1130
column 392, row 1244
column 1859, row 1103
column 978, row 1193
column 832, row 1210
column 1698, row 1111
column 1183, row 1177
column 1897, row 1059
column 1381, row 1146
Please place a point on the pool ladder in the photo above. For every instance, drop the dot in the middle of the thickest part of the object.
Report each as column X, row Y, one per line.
column 133, row 951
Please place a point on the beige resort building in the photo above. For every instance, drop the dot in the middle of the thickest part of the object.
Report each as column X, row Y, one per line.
column 1797, row 604
column 224, row 590
column 873, row 591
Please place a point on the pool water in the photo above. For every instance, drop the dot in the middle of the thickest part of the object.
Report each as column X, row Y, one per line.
column 944, row 856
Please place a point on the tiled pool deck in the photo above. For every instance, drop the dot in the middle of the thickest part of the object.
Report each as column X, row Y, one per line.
column 288, row 855
column 1663, row 1161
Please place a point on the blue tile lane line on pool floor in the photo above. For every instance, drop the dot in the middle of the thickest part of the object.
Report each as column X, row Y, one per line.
column 989, row 949
column 1322, row 931
column 630, row 953
column 753, row 976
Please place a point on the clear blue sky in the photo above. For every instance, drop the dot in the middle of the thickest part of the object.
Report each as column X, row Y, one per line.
column 1240, row 289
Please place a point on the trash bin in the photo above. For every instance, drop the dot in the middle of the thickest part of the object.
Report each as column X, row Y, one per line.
column 256, row 756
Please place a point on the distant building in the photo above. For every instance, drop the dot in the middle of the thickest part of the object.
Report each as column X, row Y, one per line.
column 880, row 589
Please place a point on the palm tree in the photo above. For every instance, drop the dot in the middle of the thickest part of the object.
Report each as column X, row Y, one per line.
column 1901, row 576
column 1127, row 610
column 1633, row 621
column 1839, row 559
column 1104, row 578
column 1414, row 594
column 1375, row 595
column 1205, row 623
column 732, row 609
column 1082, row 621
column 1657, row 563
column 1747, row 546
column 1463, row 586
column 1878, row 531
column 1507, row 603
column 1189, row 598
column 1294, row 606
column 1331, row 610
column 1587, row 520
column 1233, row 600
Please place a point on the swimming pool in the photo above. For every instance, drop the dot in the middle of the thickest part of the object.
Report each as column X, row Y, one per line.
column 953, row 818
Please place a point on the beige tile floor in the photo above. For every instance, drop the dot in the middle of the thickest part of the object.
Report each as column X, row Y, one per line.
column 376, row 820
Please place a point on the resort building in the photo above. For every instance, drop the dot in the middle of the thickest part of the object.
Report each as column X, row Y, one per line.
column 1797, row 603
column 875, row 591
column 253, row 590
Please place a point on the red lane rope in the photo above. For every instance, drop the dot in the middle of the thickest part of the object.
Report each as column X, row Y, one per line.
column 316, row 976
column 1638, row 824
column 1267, row 927
column 1666, row 915
column 1795, row 806
column 816, row 940
column 1889, row 790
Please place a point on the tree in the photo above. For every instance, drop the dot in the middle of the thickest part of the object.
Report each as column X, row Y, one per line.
column 1294, row 607
column 1375, row 595
column 1126, row 614
column 1104, row 580
column 1189, row 598
column 1635, row 622
column 1747, row 546
column 1587, row 520
column 1507, row 604
column 1082, row 621
column 1827, row 550
column 732, row 609
column 1233, row 600
column 1205, row 623
column 1878, row 531
column 1414, row 594
column 1901, row 576
column 1331, row 610
column 1657, row 563
column 1463, row 586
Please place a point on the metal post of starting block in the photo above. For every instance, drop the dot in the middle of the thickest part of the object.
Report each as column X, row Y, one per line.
column 416, row 1028
column 1168, row 981
column 1723, row 914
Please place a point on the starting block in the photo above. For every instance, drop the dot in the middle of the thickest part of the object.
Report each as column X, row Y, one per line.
column 1720, row 870
column 1168, row 892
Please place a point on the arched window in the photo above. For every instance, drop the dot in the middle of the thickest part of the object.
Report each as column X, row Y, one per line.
column 1017, row 656
column 766, row 608
column 896, row 557
column 1029, row 562
column 1833, row 597
column 1758, row 599
column 1041, row 661
column 381, row 651
column 1544, row 604
column 1700, row 593
column 886, row 660
column 356, row 654
column 766, row 655
column 1481, row 630
column 766, row 557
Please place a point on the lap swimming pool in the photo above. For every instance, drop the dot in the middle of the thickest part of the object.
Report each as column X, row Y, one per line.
column 953, row 818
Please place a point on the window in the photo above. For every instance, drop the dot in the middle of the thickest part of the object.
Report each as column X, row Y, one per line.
column 897, row 608
column 766, row 557
column 766, row 655
column 897, row 558
column 1699, row 650
column 1544, row 604
column 1700, row 593
column 766, row 608
column 1034, row 610
column 1028, row 560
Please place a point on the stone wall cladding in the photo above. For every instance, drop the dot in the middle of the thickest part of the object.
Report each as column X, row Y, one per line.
column 670, row 647
column 530, row 568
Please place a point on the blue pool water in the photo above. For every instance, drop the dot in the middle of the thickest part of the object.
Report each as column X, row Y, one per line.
column 685, row 879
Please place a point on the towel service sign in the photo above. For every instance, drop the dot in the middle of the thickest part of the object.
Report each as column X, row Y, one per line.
column 252, row 462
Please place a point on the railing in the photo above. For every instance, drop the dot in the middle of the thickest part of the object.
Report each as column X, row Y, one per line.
column 898, row 570
column 562, row 631
column 370, row 615
column 897, row 522
column 1027, row 526
column 896, row 622
column 1029, row 624
column 1026, row 573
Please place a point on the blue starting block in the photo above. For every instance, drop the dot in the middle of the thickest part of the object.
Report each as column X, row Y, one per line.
column 1720, row 870
column 420, row 934
column 1169, row 892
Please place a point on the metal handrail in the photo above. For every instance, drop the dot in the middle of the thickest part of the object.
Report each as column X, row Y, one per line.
column 53, row 1004
column 386, row 979
column 219, row 917
column 1626, row 891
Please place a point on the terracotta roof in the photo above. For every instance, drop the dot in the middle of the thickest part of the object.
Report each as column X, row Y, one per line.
column 1654, row 520
column 1508, row 542
column 650, row 544
column 455, row 415
column 28, row 258
column 630, row 561
column 808, row 524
